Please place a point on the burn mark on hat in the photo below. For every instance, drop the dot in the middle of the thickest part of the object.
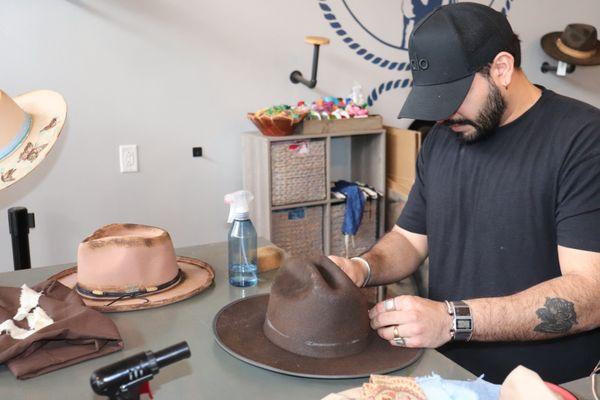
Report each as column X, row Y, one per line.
column 127, row 235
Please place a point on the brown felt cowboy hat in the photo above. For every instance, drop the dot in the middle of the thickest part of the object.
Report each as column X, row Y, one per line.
column 578, row 45
column 126, row 267
column 313, row 324
column 29, row 128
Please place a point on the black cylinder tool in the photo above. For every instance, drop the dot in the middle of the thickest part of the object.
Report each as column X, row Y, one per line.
column 123, row 379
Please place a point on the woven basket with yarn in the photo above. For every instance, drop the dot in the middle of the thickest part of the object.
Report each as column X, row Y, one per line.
column 298, row 172
column 299, row 231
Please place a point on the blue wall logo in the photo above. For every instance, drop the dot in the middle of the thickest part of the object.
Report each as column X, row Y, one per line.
column 379, row 31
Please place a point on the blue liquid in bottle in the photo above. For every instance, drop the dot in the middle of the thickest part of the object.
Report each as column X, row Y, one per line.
column 243, row 270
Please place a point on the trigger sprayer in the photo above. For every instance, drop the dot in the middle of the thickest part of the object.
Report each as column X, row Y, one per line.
column 238, row 205
column 243, row 269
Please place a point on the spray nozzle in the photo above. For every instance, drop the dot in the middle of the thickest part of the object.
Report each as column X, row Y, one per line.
column 238, row 202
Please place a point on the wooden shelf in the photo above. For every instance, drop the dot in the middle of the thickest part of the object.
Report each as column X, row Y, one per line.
column 308, row 204
column 315, row 136
column 337, row 201
column 353, row 156
column 297, row 205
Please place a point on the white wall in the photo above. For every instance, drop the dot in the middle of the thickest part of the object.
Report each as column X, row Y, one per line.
column 169, row 75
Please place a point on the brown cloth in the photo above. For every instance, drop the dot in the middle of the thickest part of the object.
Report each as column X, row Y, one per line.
column 77, row 334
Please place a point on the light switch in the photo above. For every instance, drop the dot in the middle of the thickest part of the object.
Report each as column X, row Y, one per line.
column 128, row 158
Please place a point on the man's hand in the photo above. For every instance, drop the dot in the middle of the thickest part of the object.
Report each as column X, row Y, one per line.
column 355, row 270
column 421, row 322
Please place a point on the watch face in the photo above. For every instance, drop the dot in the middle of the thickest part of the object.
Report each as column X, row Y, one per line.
column 463, row 324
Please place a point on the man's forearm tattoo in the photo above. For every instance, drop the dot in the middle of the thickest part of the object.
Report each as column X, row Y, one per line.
column 557, row 316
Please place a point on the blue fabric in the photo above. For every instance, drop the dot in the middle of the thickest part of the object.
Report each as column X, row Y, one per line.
column 436, row 388
column 355, row 204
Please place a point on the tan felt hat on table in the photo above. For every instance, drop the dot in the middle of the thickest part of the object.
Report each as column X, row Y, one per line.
column 29, row 128
column 126, row 267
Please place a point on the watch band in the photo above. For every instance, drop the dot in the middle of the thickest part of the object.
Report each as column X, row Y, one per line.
column 462, row 320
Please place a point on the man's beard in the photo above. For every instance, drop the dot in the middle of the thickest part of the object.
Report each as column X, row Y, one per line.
column 486, row 122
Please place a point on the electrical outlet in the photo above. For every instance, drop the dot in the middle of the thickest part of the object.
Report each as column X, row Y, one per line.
column 128, row 158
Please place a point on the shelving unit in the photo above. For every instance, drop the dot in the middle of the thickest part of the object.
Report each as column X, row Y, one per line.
column 353, row 156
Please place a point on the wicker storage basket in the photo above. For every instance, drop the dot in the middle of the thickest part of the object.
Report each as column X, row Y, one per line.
column 365, row 237
column 299, row 231
column 298, row 171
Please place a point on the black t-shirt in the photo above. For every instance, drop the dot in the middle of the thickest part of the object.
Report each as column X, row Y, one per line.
column 494, row 212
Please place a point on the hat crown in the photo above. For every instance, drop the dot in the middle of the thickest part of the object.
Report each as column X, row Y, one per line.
column 581, row 37
column 455, row 41
column 315, row 310
column 126, row 258
column 12, row 119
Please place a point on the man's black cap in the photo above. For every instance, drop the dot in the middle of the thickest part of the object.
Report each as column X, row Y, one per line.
column 446, row 49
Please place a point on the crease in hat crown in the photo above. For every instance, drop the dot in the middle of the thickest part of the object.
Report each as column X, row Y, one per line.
column 315, row 310
column 126, row 258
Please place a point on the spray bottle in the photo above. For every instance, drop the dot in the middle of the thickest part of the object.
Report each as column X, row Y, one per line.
column 243, row 269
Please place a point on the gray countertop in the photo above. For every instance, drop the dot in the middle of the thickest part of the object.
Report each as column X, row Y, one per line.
column 210, row 373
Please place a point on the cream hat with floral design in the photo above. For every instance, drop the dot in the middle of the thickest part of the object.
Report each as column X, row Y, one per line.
column 29, row 127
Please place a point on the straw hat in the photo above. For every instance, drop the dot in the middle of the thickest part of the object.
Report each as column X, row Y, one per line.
column 577, row 45
column 126, row 267
column 313, row 324
column 29, row 127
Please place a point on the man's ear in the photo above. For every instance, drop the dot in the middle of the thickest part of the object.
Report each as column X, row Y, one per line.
column 502, row 69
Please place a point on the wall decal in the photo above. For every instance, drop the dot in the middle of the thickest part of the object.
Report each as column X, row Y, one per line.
column 378, row 32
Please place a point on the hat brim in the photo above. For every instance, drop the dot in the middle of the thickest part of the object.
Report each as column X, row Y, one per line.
column 238, row 329
column 48, row 111
column 198, row 276
column 548, row 43
column 436, row 102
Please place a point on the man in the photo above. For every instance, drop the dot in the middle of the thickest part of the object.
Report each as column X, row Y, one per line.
column 506, row 205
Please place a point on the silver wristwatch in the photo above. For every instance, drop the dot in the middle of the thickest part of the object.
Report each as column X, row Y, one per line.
column 462, row 321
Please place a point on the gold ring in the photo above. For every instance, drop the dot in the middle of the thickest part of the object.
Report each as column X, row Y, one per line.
column 398, row 340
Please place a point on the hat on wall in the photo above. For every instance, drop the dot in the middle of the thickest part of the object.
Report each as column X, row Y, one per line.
column 446, row 49
column 578, row 45
column 125, row 267
column 29, row 128
column 313, row 324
